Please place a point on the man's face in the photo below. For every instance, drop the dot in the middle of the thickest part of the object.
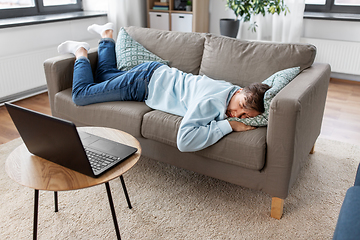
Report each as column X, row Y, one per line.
column 236, row 107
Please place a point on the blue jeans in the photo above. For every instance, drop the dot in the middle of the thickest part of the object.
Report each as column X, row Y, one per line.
column 110, row 84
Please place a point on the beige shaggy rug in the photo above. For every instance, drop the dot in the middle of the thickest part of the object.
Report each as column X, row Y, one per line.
column 173, row 203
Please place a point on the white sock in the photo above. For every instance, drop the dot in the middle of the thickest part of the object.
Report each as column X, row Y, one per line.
column 72, row 47
column 95, row 28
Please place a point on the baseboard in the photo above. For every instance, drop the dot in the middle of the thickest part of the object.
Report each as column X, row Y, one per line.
column 23, row 95
column 344, row 76
column 338, row 80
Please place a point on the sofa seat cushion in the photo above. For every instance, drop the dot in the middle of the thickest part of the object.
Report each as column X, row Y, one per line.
column 245, row 149
column 245, row 62
column 125, row 116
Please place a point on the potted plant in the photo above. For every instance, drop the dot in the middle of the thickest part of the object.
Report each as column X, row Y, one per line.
column 244, row 9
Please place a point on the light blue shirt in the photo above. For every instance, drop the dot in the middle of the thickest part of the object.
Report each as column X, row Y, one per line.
column 200, row 100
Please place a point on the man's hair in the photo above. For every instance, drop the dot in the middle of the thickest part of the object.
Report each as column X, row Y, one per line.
column 254, row 96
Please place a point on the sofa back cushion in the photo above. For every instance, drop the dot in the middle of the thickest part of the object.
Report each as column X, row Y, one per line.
column 244, row 62
column 183, row 50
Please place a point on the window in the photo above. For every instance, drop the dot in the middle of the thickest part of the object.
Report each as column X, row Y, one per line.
column 333, row 6
column 20, row 8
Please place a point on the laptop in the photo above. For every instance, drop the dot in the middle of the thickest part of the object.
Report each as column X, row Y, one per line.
column 58, row 141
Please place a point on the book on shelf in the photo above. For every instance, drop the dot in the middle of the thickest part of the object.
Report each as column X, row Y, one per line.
column 161, row 4
column 160, row 8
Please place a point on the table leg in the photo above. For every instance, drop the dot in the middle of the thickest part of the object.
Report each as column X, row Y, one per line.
column 56, row 201
column 36, row 207
column 112, row 210
column 125, row 191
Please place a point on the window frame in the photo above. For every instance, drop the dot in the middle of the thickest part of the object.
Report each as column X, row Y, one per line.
column 330, row 7
column 40, row 9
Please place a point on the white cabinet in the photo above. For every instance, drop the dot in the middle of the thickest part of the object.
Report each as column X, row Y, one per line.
column 181, row 22
column 159, row 20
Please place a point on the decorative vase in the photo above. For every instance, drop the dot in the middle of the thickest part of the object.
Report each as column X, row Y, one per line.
column 229, row 27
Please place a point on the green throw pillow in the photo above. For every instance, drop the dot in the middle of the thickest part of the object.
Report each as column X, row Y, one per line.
column 277, row 81
column 130, row 53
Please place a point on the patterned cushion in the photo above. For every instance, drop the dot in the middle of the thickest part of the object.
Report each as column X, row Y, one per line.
column 277, row 81
column 130, row 53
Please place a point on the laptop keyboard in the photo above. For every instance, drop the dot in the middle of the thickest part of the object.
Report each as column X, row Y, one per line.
column 99, row 161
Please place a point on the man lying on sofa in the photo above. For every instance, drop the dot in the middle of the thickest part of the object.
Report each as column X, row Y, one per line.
column 203, row 103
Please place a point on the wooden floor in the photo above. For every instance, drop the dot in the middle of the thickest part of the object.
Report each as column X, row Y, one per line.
column 8, row 131
column 341, row 117
column 342, row 112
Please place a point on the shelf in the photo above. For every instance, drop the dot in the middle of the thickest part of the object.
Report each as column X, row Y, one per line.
column 152, row 10
column 172, row 11
column 183, row 12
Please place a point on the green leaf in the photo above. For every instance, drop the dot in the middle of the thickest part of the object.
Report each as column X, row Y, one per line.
column 243, row 9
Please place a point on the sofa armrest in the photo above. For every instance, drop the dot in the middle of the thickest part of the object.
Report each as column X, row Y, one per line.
column 59, row 73
column 295, row 119
column 348, row 223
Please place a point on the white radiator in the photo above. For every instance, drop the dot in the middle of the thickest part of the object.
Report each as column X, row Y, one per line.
column 343, row 56
column 23, row 72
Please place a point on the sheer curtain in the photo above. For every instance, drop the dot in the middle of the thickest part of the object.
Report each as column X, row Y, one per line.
column 277, row 28
column 125, row 13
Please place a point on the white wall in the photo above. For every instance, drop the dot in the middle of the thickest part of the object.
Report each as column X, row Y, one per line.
column 19, row 44
column 312, row 28
column 217, row 11
column 332, row 30
column 323, row 29
column 95, row 5
column 17, row 40
column 348, row 31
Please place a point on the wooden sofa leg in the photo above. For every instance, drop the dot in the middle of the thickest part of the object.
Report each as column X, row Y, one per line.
column 312, row 150
column 277, row 207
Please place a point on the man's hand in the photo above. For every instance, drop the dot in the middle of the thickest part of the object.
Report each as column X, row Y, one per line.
column 240, row 127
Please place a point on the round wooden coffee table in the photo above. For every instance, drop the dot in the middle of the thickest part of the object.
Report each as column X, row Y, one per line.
column 40, row 174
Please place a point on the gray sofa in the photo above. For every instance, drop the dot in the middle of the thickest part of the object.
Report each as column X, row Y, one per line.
column 267, row 158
